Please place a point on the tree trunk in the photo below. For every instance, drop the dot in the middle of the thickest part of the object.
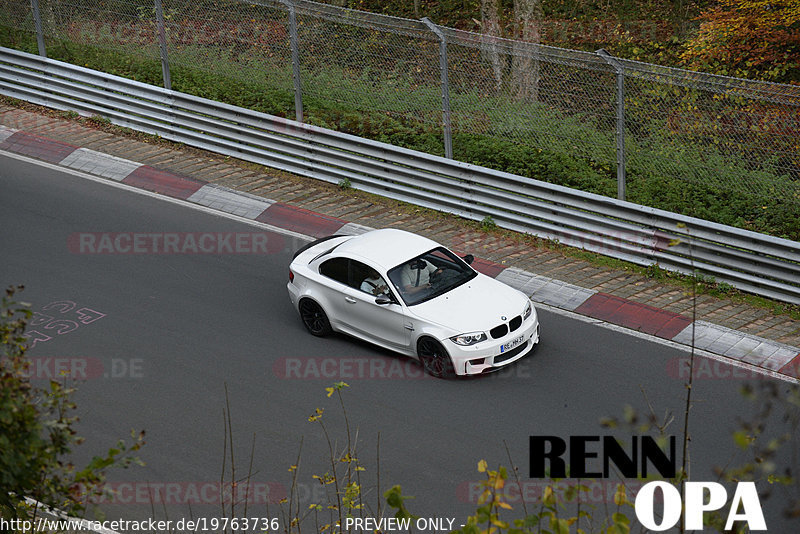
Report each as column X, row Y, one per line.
column 490, row 31
column 525, row 63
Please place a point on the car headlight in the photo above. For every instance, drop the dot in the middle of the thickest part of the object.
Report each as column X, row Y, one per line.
column 528, row 311
column 469, row 339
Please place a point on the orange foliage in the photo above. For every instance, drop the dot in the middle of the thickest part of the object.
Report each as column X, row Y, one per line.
column 749, row 38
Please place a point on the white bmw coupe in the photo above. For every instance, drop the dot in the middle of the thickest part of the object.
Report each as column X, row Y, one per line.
column 409, row 294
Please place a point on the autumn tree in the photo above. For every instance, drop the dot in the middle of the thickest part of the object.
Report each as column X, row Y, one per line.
column 748, row 38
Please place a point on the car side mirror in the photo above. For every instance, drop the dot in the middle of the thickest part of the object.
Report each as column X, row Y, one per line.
column 383, row 300
column 468, row 259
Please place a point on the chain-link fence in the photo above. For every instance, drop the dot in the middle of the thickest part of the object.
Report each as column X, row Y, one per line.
column 714, row 147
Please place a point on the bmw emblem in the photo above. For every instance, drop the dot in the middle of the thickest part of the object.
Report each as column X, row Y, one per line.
column 503, row 317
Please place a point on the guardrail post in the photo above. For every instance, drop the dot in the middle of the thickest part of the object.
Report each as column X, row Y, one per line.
column 448, row 133
column 37, row 22
column 295, row 44
column 162, row 45
column 608, row 58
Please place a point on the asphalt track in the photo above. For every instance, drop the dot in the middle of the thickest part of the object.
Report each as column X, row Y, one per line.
column 178, row 329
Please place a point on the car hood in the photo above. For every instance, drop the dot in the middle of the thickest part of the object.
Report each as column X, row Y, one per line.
column 477, row 305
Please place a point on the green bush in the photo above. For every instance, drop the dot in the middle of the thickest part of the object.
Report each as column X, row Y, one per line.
column 546, row 165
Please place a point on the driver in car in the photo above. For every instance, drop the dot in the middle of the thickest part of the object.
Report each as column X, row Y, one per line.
column 374, row 284
column 416, row 275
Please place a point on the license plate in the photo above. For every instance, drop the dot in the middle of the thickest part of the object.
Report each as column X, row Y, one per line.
column 511, row 344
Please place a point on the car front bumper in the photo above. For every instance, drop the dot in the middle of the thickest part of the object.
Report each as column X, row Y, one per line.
column 488, row 356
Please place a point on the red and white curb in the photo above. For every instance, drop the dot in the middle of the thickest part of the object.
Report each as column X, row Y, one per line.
column 546, row 290
column 220, row 198
column 738, row 346
column 747, row 348
column 5, row 133
column 99, row 164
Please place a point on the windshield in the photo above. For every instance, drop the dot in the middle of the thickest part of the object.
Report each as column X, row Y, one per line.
column 429, row 275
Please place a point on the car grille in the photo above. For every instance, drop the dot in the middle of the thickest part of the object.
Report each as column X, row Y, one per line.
column 499, row 331
column 502, row 329
column 500, row 358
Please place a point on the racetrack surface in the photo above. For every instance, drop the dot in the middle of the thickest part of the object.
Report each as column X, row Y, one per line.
column 180, row 328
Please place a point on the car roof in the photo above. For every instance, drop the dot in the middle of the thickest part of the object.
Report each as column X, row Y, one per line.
column 386, row 248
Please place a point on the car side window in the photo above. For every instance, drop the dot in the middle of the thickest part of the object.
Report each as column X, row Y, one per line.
column 336, row 268
column 367, row 279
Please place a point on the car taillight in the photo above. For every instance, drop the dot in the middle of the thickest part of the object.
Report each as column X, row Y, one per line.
column 291, row 276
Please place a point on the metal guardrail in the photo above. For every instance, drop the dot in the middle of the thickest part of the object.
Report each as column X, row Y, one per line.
column 754, row 262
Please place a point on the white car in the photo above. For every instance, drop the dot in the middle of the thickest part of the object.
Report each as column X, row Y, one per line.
column 409, row 294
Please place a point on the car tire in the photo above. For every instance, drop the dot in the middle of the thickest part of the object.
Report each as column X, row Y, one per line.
column 314, row 318
column 434, row 358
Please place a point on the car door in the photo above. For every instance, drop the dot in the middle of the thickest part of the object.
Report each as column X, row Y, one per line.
column 333, row 287
column 356, row 310
column 383, row 323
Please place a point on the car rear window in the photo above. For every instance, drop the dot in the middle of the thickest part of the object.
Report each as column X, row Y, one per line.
column 335, row 268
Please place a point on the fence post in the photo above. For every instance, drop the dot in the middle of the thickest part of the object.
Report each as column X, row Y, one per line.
column 162, row 45
column 37, row 21
column 608, row 58
column 295, row 44
column 448, row 133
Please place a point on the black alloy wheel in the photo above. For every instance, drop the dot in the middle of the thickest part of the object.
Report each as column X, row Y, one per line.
column 314, row 318
column 434, row 358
